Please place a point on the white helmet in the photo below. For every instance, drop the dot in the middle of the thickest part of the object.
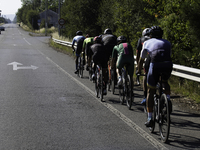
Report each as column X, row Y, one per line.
column 146, row 32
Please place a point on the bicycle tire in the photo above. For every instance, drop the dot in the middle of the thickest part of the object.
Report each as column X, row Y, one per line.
column 101, row 87
column 121, row 94
column 81, row 68
column 96, row 85
column 129, row 95
column 151, row 129
column 164, row 118
column 113, row 81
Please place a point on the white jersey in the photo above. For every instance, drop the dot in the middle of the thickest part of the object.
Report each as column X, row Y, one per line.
column 158, row 49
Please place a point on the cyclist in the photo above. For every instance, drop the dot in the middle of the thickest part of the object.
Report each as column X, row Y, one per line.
column 87, row 49
column 123, row 55
column 160, row 52
column 98, row 50
column 145, row 37
column 109, row 41
column 78, row 39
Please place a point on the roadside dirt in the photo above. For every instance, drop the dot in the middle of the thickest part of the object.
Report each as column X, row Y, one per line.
column 185, row 104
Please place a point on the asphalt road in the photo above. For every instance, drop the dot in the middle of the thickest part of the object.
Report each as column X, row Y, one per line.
column 45, row 106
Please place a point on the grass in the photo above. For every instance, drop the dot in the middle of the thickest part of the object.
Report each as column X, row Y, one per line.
column 187, row 88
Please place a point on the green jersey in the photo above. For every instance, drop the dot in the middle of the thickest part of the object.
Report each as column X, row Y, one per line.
column 122, row 49
column 88, row 40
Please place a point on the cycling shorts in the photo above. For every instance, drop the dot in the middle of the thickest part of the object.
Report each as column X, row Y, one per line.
column 155, row 70
column 126, row 60
column 98, row 58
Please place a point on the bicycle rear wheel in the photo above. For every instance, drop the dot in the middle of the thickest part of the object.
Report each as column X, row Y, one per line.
column 121, row 93
column 151, row 129
column 164, row 118
column 113, row 78
column 129, row 93
column 101, row 87
column 96, row 85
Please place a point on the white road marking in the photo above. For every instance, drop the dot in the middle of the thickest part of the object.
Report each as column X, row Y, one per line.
column 27, row 41
column 15, row 66
column 129, row 122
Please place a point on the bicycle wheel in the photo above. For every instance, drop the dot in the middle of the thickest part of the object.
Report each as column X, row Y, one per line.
column 96, row 86
column 113, row 81
column 121, row 93
column 82, row 68
column 101, row 87
column 151, row 129
column 164, row 118
column 129, row 94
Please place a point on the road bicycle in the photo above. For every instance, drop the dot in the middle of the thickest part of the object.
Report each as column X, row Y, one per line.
column 80, row 66
column 161, row 112
column 99, row 82
column 126, row 89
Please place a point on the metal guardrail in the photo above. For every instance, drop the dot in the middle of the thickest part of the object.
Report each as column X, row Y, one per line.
column 178, row 70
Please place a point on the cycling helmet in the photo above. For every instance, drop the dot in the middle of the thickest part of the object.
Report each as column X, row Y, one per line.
column 108, row 31
column 79, row 33
column 146, row 32
column 121, row 39
column 156, row 32
column 97, row 39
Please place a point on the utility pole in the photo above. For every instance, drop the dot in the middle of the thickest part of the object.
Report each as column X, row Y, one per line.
column 59, row 17
column 46, row 18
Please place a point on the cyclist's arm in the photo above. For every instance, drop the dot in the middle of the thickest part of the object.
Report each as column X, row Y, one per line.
column 84, row 44
column 139, row 47
column 73, row 42
column 141, row 60
column 113, row 58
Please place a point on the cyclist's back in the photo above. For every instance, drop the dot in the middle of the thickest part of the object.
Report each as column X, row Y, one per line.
column 87, row 49
column 109, row 41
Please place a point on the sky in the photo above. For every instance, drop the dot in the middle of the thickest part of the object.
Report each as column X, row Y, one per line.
column 9, row 6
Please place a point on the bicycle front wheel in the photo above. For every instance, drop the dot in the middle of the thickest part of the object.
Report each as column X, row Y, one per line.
column 164, row 118
column 129, row 93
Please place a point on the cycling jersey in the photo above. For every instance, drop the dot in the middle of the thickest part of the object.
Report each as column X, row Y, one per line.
column 158, row 49
column 141, row 42
column 124, row 54
column 109, row 41
column 79, row 40
column 86, row 45
column 98, row 54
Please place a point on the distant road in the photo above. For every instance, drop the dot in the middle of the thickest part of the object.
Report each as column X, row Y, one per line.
column 44, row 105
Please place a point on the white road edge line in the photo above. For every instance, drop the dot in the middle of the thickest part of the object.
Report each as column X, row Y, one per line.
column 130, row 123
column 27, row 41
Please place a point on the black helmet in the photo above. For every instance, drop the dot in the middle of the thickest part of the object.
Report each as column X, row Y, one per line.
column 156, row 32
column 108, row 31
column 146, row 32
column 79, row 33
column 97, row 39
column 121, row 39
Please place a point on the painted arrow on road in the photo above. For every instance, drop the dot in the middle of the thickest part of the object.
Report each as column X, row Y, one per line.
column 16, row 64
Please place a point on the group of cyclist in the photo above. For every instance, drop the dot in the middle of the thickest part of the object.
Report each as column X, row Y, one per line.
column 109, row 50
